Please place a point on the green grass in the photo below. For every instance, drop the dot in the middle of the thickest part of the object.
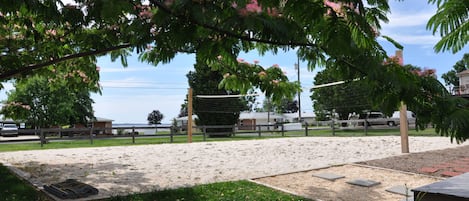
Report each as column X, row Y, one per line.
column 229, row 191
column 372, row 132
column 53, row 144
column 14, row 189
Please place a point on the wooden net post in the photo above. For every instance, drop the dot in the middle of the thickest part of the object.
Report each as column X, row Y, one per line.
column 189, row 116
column 404, row 127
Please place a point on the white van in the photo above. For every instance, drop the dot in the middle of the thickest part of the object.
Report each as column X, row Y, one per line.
column 410, row 117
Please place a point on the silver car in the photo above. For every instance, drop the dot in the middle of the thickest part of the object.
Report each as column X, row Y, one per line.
column 9, row 130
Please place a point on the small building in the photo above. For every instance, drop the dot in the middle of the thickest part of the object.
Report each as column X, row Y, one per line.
column 308, row 117
column 250, row 120
column 463, row 89
column 181, row 122
column 104, row 125
column 100, row 122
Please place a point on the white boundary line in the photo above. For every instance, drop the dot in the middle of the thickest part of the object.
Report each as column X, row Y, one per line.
column 225, row 96
column 332, row 84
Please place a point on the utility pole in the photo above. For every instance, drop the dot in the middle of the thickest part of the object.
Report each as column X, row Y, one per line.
column 297, row 67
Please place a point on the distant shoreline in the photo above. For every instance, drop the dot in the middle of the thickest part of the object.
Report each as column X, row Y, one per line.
column 139, row 125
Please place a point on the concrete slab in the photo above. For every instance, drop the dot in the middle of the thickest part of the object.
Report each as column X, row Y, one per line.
column 328, row 176
column 401, row 190
column 455, row 189
column 363, row 182
column 408, row 199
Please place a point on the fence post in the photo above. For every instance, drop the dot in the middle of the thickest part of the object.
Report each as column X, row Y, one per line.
column 283, row 131
column 91, row 135
column 333, row 127
column 259, row 131
column 133, row 134
column 306, row 128
column 42, row 137
column 365, row 124
column 234, row 130
column 204, row 130
column 171, row 134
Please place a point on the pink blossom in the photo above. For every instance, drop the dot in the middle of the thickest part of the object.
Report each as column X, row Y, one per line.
column 425, row 72
column 98, row 68
column 27, row 107
column 262, row 74
column 226, row 75
column 219, row 57
column 240, row 60
column 253, row 7
column 335, row 6
column 51, row 32
column 276, row 66
column 154, row 30
column 256, row 61
column 275, row 82
column 272, row 12
column 145, row 14
column 243, row 12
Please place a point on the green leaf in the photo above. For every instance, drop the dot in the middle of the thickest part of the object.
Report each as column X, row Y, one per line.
column 392, row 41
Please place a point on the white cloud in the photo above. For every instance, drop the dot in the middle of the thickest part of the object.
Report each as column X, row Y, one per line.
column 403, row 20
column 408, row 25
column 138, row 83
column 411, row 39
column 126, row 70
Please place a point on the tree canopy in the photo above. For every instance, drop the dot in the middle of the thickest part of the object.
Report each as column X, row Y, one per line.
column 285, row 105
column 42, row 102
column 155, row 117
column 450, row 77
column 42, row 33
column 350, row 97
column 213, row 111
column 159, row 29
column 451, row 21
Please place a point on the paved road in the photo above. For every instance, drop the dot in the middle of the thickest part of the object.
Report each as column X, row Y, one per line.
column 19, row 138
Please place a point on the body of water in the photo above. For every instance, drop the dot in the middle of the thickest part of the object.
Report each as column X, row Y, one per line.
column 140, row 128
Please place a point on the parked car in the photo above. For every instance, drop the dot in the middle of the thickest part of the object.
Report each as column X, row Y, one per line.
column 376, row 118
column 9, row 130
column 410, row 117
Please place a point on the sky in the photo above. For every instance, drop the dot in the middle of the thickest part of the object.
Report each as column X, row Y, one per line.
column 130, row 94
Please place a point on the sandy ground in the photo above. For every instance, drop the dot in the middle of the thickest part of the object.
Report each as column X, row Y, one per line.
column 309, row 186
column 126, row 169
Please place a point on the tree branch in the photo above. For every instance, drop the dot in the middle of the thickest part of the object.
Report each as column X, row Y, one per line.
column 13, row 72
column 229, row 33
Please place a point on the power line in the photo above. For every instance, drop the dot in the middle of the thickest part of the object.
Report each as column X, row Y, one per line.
column 141, row 87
